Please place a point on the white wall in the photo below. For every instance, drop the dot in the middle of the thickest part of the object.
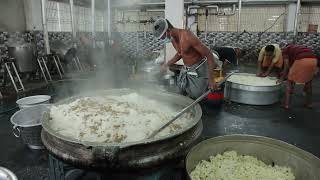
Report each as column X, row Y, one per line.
column 59, row 17
column 12, row 16
column 308, row 15
column 253, row 18
column 33, row 14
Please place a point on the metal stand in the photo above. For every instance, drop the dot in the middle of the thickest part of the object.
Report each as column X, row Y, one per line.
column 9, row 66
column 56, row 171
column 77, row 63
column 58, row 64
column 44, row 69
column 60, row 171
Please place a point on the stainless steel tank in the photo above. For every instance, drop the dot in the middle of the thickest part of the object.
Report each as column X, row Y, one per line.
column 24, row 56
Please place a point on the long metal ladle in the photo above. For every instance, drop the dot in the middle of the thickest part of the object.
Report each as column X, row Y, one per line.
column 188, row 107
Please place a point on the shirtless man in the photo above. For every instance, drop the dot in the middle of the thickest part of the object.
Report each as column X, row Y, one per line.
column 197, row 75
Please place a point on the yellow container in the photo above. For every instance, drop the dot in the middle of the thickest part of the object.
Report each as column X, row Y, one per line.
column 218, row 75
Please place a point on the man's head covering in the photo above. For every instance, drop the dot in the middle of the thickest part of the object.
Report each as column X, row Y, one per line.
column 160, row 27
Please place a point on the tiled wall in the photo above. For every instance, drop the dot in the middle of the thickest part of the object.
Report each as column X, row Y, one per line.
column 136, row 44
column 252, row 42
column 36, row 37
column 139, row 44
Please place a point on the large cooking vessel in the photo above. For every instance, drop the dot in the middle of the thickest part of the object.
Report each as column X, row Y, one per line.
column 253, row 95
column 303, row 164
column 140, row 154
column 24, row 57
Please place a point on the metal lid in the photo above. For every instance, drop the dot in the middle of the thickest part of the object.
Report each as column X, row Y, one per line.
column 33, row 100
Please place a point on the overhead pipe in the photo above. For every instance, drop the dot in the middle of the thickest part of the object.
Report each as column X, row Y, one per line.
column 206, row 25
column 233, row 11
column 109, row 20
column 189, row 2
column 186, row 20
column 209, row 2
column 155, row 10
column 213, row 7
column 239, row 16
column 192, row 7
column 73, row 27
column 189, row 8
column 217, row 2
column 296, row 18
column 207, row 15
column 93, row 23
column 59, row 18
column 186, row 3
column 45, row 27
column 105, row 21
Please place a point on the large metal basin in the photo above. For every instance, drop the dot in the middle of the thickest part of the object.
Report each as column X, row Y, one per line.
column 304, row 165
column 140, row 154
column 253, row 95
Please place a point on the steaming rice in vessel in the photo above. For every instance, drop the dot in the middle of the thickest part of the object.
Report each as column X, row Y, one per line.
column 231, row 166
column 114, row 119
column 252, row 80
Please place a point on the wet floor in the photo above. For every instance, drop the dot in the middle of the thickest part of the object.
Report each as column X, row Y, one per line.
column 298, row 126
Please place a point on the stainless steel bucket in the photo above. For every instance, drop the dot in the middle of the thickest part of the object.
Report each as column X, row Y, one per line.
column 27, row 125
column 303, row 164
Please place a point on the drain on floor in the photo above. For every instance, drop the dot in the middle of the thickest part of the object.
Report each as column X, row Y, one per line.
column 34, row 173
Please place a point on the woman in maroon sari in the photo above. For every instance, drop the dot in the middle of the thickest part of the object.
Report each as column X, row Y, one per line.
column 300, row 66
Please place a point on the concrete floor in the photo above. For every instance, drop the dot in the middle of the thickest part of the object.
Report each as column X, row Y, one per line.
column 297, row 126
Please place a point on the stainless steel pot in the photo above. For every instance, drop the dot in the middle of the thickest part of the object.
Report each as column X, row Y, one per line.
column 27, row 125
column 140, row 154
column 254, row 95
column 303, row 164
column 23, row 55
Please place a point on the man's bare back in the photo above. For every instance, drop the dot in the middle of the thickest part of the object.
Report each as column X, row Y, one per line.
column 185, row 49
column 188, row 47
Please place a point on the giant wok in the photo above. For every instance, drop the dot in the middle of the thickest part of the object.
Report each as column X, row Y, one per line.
column 129, row 155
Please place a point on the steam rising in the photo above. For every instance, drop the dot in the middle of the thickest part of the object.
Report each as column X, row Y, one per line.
column 111, row 67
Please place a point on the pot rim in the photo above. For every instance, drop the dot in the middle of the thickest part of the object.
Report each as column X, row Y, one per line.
column 253, row 139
